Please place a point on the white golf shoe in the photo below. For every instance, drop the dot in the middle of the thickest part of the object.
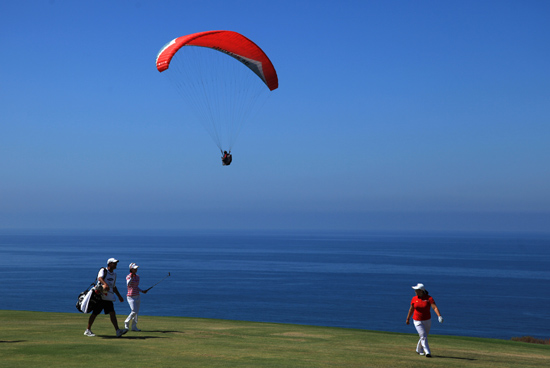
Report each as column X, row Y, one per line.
column 89, row 333
column 120, row 332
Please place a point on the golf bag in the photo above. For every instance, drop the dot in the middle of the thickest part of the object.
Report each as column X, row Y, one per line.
column 88, row 299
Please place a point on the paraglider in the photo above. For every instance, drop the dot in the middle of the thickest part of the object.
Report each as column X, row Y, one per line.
column 227, row 158
column 225, row 79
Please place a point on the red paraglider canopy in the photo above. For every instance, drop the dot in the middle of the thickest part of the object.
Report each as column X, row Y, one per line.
column 231, row 43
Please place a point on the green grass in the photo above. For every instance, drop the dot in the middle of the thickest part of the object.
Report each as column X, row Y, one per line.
column 37, row 339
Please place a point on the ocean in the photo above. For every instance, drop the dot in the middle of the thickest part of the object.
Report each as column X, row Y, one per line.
column 485, row 285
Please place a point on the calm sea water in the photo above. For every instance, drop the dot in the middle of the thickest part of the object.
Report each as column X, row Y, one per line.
column 495, row 286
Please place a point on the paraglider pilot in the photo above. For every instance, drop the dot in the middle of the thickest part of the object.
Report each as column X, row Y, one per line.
column 226, row 158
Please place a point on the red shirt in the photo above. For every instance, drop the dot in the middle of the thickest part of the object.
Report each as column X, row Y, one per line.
column 422, row 307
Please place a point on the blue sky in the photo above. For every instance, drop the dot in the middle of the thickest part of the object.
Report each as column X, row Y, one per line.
column 390, row 115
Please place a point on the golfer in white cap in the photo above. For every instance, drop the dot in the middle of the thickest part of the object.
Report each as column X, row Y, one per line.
column 106, row 279
column 420, row 312
column 132, row 281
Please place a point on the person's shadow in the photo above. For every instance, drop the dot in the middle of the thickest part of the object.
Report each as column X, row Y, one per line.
column 135, row 337
column 450, row 357
column 141, row 336
column 12, row 341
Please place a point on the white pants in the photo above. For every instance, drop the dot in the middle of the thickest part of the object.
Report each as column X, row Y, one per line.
column 134, row 302
column 423, row 329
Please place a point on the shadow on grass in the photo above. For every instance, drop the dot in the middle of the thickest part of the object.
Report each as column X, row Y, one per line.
column 5, row 341
column 143, row 337
column 139, row 336
column 450, row 357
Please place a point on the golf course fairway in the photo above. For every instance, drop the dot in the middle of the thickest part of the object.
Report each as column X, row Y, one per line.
column 40, row 339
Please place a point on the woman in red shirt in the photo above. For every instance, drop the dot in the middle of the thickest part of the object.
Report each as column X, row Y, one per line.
column 420, row 311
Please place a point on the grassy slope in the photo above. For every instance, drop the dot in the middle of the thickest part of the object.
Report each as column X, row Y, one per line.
column 37, row 339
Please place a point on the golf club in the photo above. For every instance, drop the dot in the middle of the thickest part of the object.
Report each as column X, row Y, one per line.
column 158, row 282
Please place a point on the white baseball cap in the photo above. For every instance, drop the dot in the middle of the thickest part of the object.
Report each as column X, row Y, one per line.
column 133, row 265
column 112, row 260
column 419, row 287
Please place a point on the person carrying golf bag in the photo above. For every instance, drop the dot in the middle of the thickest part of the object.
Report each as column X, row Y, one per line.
column 133, row 297
column 107, row 278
